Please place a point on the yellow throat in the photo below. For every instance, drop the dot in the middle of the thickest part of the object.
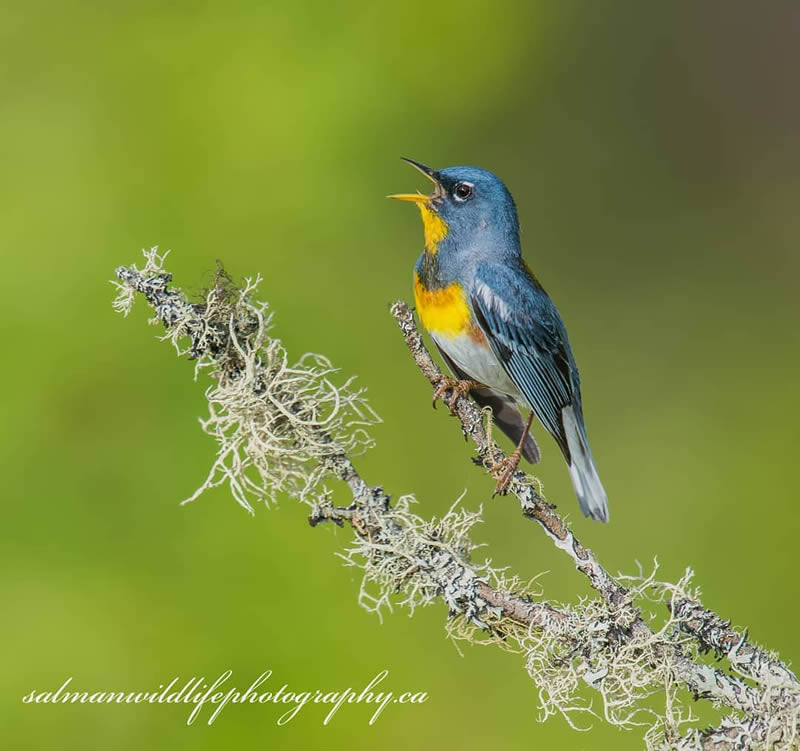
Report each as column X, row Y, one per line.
column 434, row 227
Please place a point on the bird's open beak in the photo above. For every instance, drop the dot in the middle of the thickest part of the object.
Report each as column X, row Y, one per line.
column 419, row 197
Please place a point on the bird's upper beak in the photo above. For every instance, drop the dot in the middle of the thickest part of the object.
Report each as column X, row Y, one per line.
column 432, row 175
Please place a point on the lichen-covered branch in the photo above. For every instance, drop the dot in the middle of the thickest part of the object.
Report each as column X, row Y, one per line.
column 700, row 681
column 716, row 635
column 276, row 422
column 289, row 427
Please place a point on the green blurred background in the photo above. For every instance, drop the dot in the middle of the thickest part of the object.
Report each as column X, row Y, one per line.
column 653, row 152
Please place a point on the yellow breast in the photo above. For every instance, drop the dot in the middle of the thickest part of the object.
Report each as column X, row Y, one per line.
column 443, row 311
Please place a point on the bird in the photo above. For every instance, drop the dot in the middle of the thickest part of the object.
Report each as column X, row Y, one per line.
column 496, row 328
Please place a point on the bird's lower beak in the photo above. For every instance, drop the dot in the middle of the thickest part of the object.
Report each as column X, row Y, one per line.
column 419, row 197
column 416, row 197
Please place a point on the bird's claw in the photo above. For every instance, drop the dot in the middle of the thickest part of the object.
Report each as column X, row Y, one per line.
column 504, row 471
column 457, row 387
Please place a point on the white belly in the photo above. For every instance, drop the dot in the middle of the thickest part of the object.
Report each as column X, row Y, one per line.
column 478, row 362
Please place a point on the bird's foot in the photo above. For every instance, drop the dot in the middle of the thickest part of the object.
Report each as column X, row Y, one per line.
column 456, row 387
column 504, row 470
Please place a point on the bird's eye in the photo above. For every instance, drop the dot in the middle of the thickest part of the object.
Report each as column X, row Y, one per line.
column 462, row 191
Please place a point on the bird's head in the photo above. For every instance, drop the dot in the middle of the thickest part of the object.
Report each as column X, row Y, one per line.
column 469, row 207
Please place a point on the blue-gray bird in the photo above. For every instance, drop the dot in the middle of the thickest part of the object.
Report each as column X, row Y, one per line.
column 495, row 326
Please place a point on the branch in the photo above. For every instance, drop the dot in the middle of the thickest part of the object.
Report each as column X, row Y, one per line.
column 285, row 427
column 709, row 629
column 716, row 635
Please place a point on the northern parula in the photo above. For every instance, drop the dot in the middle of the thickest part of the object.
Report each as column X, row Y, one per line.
column 495, row 326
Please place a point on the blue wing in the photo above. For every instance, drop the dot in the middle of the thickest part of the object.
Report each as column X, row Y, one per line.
column 528, row 336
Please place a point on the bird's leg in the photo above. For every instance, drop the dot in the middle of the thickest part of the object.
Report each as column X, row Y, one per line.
column 458, row 388
column 506, row 467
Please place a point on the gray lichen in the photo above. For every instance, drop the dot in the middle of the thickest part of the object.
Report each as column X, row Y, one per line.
column 275, row 421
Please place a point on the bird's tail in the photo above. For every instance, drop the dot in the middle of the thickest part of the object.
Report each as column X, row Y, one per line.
column 591, row 494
